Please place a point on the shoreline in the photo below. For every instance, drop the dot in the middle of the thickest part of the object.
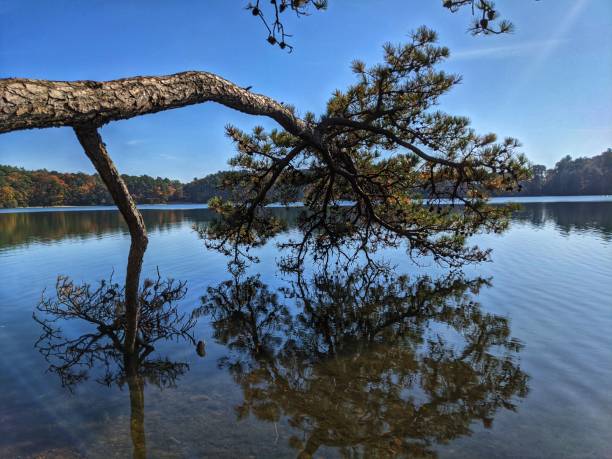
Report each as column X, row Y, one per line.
column 188, row 206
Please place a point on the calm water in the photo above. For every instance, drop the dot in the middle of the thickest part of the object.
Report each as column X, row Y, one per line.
column 509, row 359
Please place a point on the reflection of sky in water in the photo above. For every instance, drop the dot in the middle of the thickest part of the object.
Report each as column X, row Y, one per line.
column 551, row 277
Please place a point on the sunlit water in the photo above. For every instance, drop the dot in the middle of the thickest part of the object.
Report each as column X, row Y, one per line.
column 410, row 389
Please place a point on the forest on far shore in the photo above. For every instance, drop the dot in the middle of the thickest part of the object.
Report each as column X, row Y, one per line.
column 23, row 188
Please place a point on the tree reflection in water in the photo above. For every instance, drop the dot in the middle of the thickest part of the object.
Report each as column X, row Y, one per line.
column 103, row 347
column 364, row 361
column 373, row 364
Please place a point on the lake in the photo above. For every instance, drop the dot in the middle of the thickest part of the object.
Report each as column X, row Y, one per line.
column 510, row 358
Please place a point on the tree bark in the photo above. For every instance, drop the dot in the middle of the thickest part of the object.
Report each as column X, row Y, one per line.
column 28, row 104
column 96, row 151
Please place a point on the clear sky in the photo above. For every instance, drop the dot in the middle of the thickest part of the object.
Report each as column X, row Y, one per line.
column 548, row 84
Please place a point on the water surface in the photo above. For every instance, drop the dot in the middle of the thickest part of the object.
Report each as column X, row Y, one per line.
column 512, row 358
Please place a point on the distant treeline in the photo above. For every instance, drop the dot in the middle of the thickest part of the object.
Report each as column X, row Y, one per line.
column 580, row 176
column 22, row 188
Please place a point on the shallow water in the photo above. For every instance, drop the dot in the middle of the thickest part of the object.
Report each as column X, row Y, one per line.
column 329, row 367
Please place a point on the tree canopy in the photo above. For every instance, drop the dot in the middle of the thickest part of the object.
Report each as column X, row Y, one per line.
column 380, row 166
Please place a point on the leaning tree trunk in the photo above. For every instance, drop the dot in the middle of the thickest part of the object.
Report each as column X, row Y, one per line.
column 87, row 105
column 96, row 151
column 28, row 104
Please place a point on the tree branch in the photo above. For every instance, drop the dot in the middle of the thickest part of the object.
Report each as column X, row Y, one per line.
column 28, row 104
column 337, row 121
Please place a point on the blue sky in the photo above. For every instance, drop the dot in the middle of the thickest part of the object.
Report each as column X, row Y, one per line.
column 548, row 84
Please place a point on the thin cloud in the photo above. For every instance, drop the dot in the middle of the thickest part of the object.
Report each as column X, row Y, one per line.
column 504, row 52
column 167, row 156
column 134, row 142
column 539, row 60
